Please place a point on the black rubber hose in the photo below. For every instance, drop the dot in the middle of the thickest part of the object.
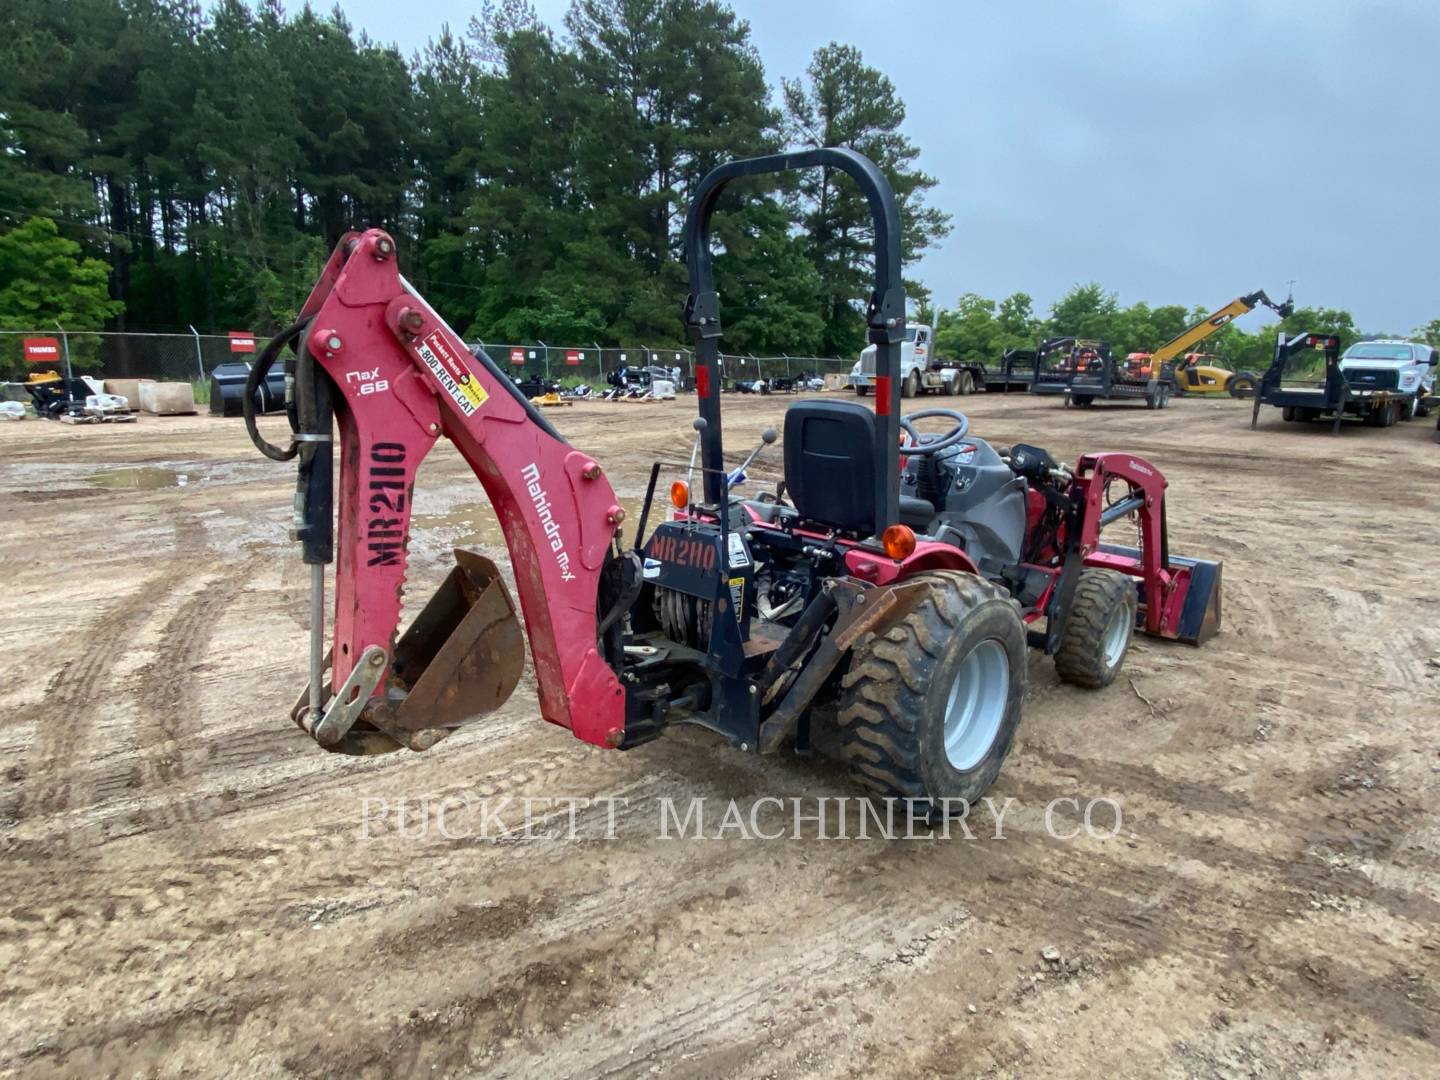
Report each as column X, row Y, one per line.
column 258, row 371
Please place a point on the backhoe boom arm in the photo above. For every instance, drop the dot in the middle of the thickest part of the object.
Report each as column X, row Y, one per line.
column 401, row 378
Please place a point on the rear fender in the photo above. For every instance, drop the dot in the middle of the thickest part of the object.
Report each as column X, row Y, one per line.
column 880, row 569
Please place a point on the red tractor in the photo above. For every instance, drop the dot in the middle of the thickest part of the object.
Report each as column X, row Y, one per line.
column 896, row 603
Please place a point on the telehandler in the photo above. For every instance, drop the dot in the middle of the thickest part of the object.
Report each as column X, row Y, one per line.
column 896, row 603
column 1193, row 376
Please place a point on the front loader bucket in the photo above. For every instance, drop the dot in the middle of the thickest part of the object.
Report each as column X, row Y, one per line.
column 1192, row 610
column 1198, row 617
column 463, row 654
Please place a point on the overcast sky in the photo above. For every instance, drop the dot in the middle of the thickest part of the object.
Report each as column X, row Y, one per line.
column 1175, row 152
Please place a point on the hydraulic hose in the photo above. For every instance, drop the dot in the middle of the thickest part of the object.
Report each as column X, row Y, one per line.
column 258, row 371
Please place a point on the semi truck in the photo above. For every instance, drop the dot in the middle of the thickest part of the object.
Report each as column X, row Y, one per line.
column 920, row 370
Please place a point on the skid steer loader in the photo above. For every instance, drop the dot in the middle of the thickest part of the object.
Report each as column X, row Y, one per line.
column 895, row 603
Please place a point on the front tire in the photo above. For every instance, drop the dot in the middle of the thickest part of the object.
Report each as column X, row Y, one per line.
column 930, row 703
column 1241, row 385
column 1098, row 629
column 911, row 386
column 861, row 391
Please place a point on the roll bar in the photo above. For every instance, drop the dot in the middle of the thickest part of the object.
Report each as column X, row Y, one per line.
column 884, row 314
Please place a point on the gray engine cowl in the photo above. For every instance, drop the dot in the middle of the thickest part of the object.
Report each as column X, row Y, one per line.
column 984, row 503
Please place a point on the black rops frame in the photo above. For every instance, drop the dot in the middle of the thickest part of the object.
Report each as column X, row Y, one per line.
column 884, row 314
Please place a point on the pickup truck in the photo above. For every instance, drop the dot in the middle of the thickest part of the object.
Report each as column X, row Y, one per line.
column 920, row 371
column 1405, row 368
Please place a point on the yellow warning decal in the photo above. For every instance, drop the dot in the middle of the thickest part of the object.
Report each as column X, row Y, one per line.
column 453, row 373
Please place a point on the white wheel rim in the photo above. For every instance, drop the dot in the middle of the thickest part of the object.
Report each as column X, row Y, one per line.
column 1117, row 636
column 976, row 705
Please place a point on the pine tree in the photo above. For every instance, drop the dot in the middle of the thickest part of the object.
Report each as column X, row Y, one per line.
column 844, row 102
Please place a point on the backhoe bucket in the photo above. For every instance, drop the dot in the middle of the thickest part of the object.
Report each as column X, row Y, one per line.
column 462, row 656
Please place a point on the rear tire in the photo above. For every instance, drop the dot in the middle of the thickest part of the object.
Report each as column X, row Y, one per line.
column 930, row 703
column 1082, row 400
column 1287, row 413
column 1241, row 385
column 967, row 384
column 1098, row 629
column 861, row 391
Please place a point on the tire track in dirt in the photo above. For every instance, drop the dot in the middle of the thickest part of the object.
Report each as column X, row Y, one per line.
column 169, row 733
column 59, row 757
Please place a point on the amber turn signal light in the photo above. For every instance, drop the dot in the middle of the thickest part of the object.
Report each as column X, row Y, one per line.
column 899, row 541
column 679, row 494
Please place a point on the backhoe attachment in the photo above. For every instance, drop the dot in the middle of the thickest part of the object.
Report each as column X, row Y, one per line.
column 369, row 349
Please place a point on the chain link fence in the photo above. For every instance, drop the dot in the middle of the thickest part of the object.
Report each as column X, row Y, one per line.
column 191, row 357
column 117, row 355
column 595, row 364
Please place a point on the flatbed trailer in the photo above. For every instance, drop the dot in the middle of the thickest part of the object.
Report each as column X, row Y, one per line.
column 1333, row 397
column 1015, row 371
column 1087, row 372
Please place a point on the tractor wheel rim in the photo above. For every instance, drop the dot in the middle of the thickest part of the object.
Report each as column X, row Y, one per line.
column 1117, row 636
column 977, row 703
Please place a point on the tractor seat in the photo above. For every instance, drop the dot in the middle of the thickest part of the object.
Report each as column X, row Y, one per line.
column 830, row 464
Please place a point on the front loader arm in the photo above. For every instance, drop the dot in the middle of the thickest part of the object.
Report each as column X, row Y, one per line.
column 1179, row 596
column 401, row 379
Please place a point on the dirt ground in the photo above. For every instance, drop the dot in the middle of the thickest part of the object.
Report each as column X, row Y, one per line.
column 189, row 887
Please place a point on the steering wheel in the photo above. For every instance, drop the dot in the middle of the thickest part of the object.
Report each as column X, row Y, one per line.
column 949, row 439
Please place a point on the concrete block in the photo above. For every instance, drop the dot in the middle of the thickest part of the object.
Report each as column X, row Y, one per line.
column 167, row 399
column 129, row 389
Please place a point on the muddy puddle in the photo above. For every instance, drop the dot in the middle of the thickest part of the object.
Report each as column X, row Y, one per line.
column 141, row 478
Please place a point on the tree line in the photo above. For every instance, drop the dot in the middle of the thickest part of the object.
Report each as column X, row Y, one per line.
column 979, row 328
column 206, row 161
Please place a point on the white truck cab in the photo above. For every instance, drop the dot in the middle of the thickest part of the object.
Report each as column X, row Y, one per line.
column 919, row 370
column 1405, row 368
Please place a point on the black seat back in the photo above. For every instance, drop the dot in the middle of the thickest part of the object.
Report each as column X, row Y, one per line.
column 830, row 463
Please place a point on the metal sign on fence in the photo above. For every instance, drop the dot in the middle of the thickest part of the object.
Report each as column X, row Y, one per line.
column 573, row 357
column 242, row 341
column 517, row 357
column 42, row 350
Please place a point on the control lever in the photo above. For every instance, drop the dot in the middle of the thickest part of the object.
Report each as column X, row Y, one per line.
column 699, row 424
column 767, row 437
